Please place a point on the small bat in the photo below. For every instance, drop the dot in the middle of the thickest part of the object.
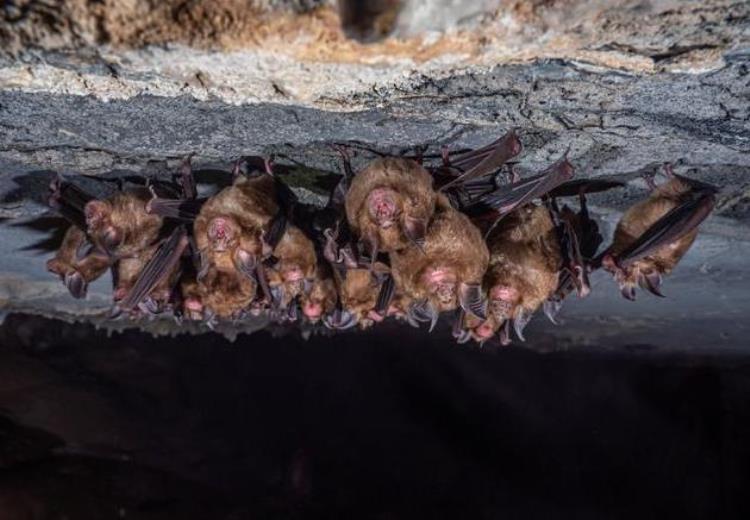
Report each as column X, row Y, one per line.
column 525, row 262
column 294, row 272
column 447, row 271
column 360, row 295
column 117, row 229
column 655, row 234
column 389, row 204
column 320, row 299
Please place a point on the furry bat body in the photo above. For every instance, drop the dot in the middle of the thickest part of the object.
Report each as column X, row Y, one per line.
column 236, row 232
column 447, row 271
column 117, row 231
column 655, row 234
column 524, row 270
column 389, row 204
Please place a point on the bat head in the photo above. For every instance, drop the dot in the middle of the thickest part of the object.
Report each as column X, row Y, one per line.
column 384, row 206
column 192, row 308
column 223, row 234
column 99, row 224
column 442, row 287
column 482, row 330
column 319, row 300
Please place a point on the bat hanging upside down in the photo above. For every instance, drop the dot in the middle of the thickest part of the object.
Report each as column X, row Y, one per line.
column 655, row 234
column 446, row 272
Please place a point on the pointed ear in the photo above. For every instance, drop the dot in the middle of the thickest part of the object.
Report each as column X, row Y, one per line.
column 422, row 312
column 651, row 282
column 472, row 300
column 415, row 230
column 520, row 320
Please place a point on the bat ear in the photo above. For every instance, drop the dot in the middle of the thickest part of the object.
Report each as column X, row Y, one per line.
column 521, row 319
column 551, row 309
column 245, row 263
column 423, row 312
column 473, row 301
column 415, row 230
column 505, row 334
column 340, row 319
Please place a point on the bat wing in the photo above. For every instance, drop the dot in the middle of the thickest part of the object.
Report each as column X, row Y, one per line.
column 161, row 265
column 512, row 196
column 488, row 159
column 672, row 226
column 385, row 296
column 69, row 200
column 584, row 186
column 185, row 210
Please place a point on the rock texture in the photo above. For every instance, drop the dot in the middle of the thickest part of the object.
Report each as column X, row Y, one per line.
column 625, row 85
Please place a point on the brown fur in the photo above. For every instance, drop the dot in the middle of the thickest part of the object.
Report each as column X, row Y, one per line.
column 225, row 292
column 525, row 256
column 359, row 290
column 250, row 204
column 294, row 251
column 453, row 243
column 323, row 290
column 67, row 261
column 417, row 199
column 125, row 213
column 639, row 218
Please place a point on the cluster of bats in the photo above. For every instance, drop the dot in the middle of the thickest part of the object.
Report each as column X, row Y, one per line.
column 401, row 239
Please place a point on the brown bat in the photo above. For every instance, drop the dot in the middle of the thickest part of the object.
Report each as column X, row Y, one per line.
column 294, row 272
column 524, row 268
column 389, row 204
column 119, row 230
column 228, row 233
column 447, row 271
column 320, row 299
column 655, row 234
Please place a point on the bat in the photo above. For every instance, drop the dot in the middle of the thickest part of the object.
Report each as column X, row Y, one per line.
column 524, row 269
column 116, row 231
column 447, row 271
column 653, row 235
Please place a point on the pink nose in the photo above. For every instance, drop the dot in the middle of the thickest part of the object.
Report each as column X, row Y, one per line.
column 193, row 304
column 312, row 310
column 484, row 331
